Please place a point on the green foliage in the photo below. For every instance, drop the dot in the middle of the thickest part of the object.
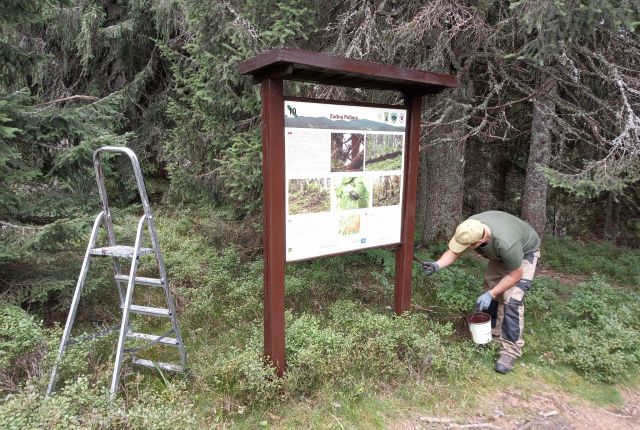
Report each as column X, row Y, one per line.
column 457, row 290
column 242, row 373
column 83, row 405
column 47, row 138
column 6, row 131
column 618, row 264
column 220, row 285
column 349, row 347
column 214, row 149
column 557, row 23
column 585, row 187
column 42, row 183
column 240, row 170
column 598, row 332
column 20, row 335
column 354, row 344
column 291, row 19
column 15, row 60
column 542, row 297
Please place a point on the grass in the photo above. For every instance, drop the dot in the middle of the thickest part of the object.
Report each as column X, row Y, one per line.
column 619, row 265
column 352, row 364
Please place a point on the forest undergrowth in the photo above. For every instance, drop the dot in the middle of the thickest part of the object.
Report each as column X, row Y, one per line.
column 350, row 358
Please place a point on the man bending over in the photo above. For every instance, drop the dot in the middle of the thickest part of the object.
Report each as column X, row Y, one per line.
column 512, row 248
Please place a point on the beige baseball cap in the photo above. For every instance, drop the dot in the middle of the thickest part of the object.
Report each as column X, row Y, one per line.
column 467, row 233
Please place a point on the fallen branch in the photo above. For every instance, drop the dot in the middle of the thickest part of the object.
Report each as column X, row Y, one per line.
column 437, row 420
column 474, row 426
column 619, row 416
column 425, row 309
column 64, row 99
column 5, row 224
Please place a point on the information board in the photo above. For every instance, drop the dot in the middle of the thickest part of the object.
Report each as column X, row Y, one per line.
column 344, row 177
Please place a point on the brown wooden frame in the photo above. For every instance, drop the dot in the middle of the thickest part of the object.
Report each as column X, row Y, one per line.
column 270, row 69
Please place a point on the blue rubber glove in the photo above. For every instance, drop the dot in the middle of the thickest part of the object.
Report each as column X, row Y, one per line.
column 484, row 301
column 430, row 267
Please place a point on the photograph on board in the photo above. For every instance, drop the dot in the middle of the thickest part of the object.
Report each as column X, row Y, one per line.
column 349, row 224
column 347, row 152
column 352, row 193
column 309, row 196
column 383, row 152
column 386, row 191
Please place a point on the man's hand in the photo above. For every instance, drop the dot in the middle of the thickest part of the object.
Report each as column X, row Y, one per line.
column 430, row 267
column 484, row 301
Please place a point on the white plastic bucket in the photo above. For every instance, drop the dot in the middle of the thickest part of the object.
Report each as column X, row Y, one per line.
column 480, row 327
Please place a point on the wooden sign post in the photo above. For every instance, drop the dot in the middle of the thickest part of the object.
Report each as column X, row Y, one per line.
column 269, row 70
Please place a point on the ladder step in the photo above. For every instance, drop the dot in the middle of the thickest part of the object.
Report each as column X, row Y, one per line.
column 153, row 282
column 171, row 367
column 152, row 337
column 122, row 251
column 151, row 311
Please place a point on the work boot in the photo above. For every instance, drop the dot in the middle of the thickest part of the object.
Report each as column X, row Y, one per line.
column 505, row 364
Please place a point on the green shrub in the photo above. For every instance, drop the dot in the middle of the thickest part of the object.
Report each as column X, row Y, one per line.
column 242, row 373
column 346, row 348
column 22, row 346
column 605, row 352
column 542, row 297
column 315, row 354
column 82, row 405
column 20, row 334
column 457, row 290
column 616, row 263
column 355, row 347
column 598, row 333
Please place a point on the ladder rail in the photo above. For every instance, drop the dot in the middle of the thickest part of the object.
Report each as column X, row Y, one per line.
column 137, row 171
column 111, row 235
column 124, row 325
column 74, row 303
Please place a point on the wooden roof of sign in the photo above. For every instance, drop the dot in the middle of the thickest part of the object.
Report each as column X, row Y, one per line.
column 307, row 66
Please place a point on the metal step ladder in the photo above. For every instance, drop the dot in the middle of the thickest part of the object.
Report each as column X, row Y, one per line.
column 132, row 253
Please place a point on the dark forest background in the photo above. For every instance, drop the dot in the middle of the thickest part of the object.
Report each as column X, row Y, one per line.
column 544, row 123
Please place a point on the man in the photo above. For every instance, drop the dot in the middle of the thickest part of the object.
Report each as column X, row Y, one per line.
column 512, row 248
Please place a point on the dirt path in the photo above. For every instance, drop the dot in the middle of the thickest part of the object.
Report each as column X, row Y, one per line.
column 566, row 278
column 541, row 270
column 541, row 409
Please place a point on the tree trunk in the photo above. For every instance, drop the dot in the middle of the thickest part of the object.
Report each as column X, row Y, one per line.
column 611, row 220
column 442, row 180
column 534, row 199
column 485, row 176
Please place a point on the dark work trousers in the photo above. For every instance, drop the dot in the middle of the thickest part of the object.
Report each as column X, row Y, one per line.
column 507, row 310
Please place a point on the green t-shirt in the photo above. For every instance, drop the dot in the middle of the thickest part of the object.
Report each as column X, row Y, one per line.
column 511, row 238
